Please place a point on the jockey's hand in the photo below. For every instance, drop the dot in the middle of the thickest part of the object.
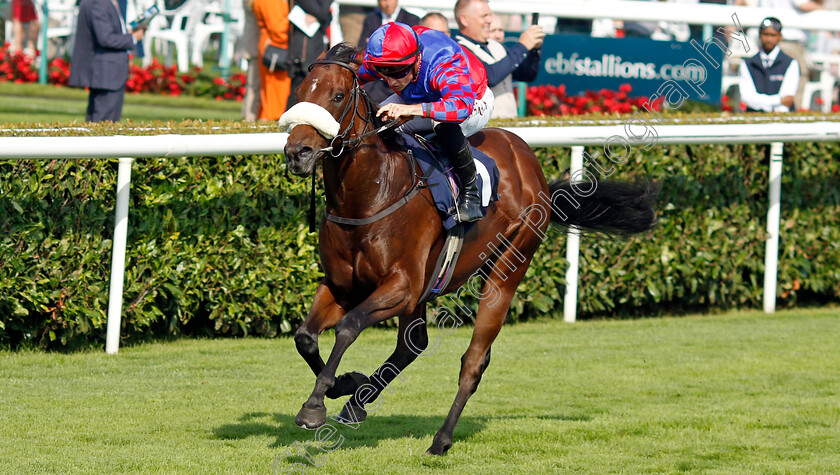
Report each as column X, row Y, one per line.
column 399, row 111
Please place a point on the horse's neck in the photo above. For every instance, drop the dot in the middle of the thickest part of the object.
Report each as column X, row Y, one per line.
column 367, row 180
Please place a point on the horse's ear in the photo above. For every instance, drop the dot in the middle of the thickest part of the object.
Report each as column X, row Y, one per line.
column 357, row 60
column 321, row 56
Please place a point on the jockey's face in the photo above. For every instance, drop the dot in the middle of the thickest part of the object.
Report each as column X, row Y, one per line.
column 398, row 84
column 474, row 20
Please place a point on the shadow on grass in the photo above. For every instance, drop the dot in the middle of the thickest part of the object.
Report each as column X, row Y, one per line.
column 368, row 434
column 298, row 449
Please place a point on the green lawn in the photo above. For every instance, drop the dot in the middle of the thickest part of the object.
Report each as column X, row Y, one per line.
column 735, row 393
column 27, row 103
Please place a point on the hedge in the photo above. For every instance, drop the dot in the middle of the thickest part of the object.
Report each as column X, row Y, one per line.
column 220, row 246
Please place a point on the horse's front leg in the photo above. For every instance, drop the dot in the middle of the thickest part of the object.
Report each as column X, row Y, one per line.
column 390, row 299
column 324, row 314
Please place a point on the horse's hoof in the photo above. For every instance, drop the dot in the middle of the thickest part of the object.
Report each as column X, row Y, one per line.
column 311, row 418
column 352, row 414
column 346, row 384
column 438, row 447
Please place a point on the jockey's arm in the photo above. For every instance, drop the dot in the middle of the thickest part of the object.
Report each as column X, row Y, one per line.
column 457, row 90
column 458, row 95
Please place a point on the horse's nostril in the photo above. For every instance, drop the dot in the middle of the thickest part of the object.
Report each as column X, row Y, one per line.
column 304, row 152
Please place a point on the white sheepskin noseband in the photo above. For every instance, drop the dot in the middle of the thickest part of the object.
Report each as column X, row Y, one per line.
column 312, row 114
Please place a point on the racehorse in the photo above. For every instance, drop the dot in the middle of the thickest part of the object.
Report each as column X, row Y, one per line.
column 378, row 255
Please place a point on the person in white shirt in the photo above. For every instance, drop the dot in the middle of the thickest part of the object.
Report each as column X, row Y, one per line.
column 768, row 80
column 796, row 40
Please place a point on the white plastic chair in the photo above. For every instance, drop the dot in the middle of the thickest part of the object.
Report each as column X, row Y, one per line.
column 179, row 31
column 828, row 66
column 61, row 24
column 213, row 23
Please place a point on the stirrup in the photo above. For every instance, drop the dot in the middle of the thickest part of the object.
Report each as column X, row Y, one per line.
column 468, row 204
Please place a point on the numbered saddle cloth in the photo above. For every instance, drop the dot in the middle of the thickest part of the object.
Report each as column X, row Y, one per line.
column 443, row 182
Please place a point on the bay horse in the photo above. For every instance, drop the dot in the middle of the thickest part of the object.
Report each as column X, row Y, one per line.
column 378, row 268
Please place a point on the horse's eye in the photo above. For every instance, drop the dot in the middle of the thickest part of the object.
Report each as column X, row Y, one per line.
column 338, row 97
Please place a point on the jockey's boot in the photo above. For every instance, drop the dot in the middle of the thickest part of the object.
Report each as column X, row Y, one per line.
column 469, row 201
column 468, row 204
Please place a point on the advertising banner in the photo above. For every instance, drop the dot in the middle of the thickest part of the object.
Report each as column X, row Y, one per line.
column 585, row 63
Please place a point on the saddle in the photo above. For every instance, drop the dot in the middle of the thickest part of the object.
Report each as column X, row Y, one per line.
column 443, row 183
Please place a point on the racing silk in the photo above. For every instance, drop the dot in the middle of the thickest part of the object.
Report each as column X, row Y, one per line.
column 449, row 81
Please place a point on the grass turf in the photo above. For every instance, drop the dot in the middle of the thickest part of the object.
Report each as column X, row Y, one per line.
column 28, row 103
column 735, row 393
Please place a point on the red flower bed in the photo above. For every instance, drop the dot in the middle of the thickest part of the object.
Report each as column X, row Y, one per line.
column 159, row 79
column 156, row 78
column 17, row 67
column 547, row 100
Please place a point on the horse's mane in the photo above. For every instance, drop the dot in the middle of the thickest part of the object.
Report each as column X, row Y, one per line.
column 351, row 54
column 346, row 53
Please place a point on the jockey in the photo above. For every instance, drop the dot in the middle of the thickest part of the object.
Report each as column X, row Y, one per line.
column 442, row 86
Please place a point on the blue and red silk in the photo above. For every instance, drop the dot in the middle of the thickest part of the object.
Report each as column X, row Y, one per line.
column 450, row 78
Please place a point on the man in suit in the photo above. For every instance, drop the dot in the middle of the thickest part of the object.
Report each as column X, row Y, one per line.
column 769, row 80
column 100, row 57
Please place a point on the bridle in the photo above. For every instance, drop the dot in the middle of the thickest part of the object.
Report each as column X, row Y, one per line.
column 344, row 144
column 340, row 144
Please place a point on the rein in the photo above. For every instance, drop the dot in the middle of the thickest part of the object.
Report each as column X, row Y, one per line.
column 341, row 142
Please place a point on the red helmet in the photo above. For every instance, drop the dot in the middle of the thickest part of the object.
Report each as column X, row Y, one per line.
column 392, row 44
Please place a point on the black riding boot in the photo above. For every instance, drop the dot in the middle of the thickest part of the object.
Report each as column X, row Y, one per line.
column 453, row 141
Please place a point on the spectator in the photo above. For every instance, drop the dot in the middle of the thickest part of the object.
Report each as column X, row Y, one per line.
column 504, row 63
column 100, row 58
column 305, row 49
column 250, row 48
column 23, row 13
column 351, row 18
column 659, row 30
column 273, row 20
column 795, row 39
column 497, row 31
column 769, row 79
column 388, row 11
column 436, row 21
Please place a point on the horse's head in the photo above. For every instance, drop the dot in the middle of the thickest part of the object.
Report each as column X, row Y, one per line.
column 329, row 102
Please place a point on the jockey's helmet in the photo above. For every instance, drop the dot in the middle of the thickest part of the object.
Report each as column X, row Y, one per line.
column 392, row 48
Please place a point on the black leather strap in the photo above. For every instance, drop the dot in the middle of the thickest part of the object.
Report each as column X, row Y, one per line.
column 385, row 212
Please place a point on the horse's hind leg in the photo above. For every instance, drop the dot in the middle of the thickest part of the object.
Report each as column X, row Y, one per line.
column 412, row 339
column 488, row 322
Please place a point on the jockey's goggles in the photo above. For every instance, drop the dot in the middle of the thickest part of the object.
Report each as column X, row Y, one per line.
column 394, row 72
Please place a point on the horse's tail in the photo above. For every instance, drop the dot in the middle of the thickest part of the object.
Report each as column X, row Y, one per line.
column 612, row 207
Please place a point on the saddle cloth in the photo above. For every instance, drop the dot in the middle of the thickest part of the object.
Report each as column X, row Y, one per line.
column 443, row 182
